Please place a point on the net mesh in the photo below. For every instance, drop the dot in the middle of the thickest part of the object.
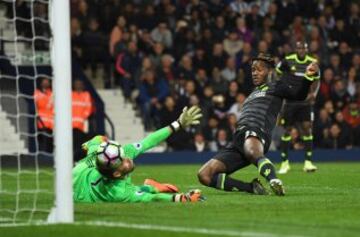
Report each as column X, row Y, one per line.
column 26, row 168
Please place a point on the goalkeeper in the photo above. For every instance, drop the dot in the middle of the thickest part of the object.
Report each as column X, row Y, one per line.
column 93, row 181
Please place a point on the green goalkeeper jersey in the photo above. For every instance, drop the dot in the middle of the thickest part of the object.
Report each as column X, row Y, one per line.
column 90, row 186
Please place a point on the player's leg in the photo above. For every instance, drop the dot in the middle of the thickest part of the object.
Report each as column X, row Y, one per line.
column 215, row 173
column 284, row 148
column 285, row 140
column 308, row 143
column 254, row 152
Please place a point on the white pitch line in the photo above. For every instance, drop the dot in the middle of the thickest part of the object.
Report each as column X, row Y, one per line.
column 176, row 229
column 180, row 229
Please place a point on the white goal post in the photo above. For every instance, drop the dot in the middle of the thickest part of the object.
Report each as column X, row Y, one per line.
column 35, row 44
column 61, row 63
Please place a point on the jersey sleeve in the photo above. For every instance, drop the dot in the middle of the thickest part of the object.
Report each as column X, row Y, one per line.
column 131, row 151
column 282, row 67
column 315, row 77
column 287, row 89
column 144, row 197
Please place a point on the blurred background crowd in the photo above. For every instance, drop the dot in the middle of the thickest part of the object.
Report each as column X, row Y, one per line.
column 166, row 54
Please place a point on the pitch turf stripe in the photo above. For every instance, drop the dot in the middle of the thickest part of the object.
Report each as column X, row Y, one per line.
column 179, row 229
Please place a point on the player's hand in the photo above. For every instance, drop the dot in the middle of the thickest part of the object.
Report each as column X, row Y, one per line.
column 312, row 69
column 192, row 196
column 190, row 116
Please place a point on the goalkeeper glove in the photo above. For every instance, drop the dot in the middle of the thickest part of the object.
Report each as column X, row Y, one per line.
column 192, row 196
column 190, row 116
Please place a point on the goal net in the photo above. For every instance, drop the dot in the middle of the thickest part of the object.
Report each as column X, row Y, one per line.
column 27, row 174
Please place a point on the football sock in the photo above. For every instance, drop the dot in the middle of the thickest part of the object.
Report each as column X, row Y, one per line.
column 284, row 146
column 266, row 168
column 308, row 142
column 223, row 182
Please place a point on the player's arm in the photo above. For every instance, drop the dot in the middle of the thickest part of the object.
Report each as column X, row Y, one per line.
column 145, row 197
column 187, row 118
column 282, row 67
column 285, row 89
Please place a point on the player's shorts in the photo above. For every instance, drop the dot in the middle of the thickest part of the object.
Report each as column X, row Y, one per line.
column 233, row 156
column 296, row 112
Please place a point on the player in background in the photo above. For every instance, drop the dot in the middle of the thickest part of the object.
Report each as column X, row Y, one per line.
column 298, row 113
column 95, row 181
column 253, row 134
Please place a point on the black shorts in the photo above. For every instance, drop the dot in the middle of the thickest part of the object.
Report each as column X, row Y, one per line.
column 233, row 156
column 296, row 112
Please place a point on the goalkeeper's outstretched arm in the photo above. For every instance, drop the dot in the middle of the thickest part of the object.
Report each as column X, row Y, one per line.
column 187, row 118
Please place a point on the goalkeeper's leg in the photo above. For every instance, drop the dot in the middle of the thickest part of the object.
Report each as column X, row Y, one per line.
column 215, row 173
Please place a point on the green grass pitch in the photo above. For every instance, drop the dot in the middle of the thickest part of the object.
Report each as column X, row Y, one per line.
column 325, row 203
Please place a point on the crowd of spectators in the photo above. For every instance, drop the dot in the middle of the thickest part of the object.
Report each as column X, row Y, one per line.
column 167, row 54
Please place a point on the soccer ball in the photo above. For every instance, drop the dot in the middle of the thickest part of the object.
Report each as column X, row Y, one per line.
column 108, row 155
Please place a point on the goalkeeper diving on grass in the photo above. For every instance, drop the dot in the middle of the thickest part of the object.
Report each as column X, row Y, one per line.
column 104, row 175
